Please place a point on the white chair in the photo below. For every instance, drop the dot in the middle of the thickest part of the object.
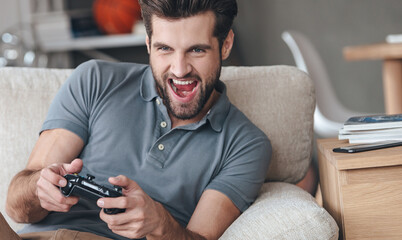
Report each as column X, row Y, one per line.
column 329, row 114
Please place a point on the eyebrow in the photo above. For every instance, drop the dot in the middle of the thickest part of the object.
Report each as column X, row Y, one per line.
column 159, row 44
column 200, row 45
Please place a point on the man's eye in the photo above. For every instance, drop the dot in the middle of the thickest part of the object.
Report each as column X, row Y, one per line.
column 165, row 49
column 198, row 50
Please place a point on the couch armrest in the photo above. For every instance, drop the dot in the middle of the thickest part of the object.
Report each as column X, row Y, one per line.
column 25, row 95
column 283, row 211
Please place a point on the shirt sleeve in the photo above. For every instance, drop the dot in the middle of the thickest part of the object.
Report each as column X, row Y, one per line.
column 244, row 170
column 72, row 104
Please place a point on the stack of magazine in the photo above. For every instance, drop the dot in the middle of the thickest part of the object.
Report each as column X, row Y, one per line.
column 372, row 129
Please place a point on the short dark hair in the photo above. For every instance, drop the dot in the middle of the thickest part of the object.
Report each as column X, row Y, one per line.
column 225, row 11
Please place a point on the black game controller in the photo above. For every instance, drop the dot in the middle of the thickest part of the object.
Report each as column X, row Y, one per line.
column 88, row 189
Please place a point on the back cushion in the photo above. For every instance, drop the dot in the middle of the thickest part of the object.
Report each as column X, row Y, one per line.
column 280, row 101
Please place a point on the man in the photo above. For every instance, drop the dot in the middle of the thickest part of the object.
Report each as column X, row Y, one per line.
column 188, row 161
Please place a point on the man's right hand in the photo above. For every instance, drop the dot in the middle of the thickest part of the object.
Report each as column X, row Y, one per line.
column 50, row 179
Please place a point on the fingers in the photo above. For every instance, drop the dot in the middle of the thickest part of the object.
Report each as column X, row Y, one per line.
column 51, row 199
column 48, row 191
column 56, row 205
column 136, row 197
column 121, row 202
column 142, row 214
column 57, row 171
column 52, row 176
column 74, row 167
column 124, row 182
column 132, row 223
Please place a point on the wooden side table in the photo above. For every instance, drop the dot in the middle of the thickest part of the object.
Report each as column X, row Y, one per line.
column 362, row 191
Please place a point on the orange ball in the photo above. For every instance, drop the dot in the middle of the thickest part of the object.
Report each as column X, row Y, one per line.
column 116, row 16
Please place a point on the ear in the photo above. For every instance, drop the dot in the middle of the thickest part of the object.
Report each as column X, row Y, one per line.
column 227, row 45
column 148, row 44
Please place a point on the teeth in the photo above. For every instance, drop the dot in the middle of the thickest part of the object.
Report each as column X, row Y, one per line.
column 182, row 82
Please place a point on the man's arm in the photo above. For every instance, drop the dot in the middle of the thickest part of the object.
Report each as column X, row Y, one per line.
column 33, row 192
column 145, row 217
column 213, row 215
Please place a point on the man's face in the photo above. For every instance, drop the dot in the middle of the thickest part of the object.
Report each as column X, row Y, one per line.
column 186, row 62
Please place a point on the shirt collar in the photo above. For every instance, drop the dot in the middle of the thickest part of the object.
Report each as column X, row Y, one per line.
column 218, row 113
column 216, row 116
column 148, row 87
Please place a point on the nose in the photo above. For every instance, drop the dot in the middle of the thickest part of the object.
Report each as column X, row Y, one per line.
column 180, row 66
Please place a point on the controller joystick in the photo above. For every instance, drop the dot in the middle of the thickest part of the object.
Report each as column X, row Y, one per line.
column 88, row 189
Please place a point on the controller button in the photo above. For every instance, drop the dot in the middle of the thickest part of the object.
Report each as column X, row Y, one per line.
column 90, row 177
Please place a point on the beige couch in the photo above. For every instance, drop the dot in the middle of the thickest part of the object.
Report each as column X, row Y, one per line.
column 280, row 100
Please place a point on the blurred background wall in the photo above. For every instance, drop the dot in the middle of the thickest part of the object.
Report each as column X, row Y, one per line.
column 9, row 14
column 330, row 24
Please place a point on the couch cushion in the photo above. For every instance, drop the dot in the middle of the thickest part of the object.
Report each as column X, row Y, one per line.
column 280, row 100
column 283, row 211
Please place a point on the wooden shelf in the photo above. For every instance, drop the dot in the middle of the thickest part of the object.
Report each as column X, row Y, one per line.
column 87, row 43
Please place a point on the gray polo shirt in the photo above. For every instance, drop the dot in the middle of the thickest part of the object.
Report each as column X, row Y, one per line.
column 115, row 109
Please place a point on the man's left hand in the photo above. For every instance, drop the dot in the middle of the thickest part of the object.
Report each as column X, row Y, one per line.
column 142, row 216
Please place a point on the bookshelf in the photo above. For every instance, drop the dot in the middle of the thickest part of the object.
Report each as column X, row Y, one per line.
column 51, row 22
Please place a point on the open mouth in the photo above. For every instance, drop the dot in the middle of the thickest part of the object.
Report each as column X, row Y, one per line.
column 183, row 89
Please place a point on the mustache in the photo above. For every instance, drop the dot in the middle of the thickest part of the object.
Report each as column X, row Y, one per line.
column 166, row 76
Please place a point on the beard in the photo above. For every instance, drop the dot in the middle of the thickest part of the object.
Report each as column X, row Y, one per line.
column 185, row 111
